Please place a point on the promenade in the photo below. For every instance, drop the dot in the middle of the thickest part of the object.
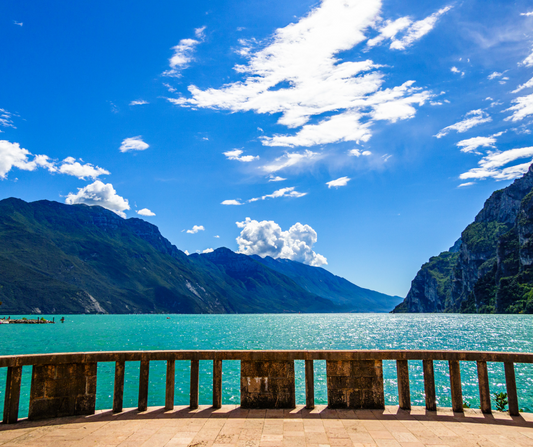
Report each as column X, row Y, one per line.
column 232, row 426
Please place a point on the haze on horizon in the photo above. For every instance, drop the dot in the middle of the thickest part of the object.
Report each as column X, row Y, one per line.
column 360, row 135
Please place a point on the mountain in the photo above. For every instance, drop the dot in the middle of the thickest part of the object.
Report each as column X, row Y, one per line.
column 57, row 258
column 490, row 268
column 339, row 290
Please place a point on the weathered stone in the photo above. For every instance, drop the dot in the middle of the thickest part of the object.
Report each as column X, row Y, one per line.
column 267, row 384
column 62, row 390
column 355, row 384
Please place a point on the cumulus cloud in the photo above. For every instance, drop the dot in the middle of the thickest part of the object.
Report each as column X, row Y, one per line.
column 145, row 212
column 231, row 202
column 298, row 75
column 133, row 144
column 138, row 102
column 236, row 154
column 101, row 194
column 208, row 250
column 528, row 84
column 523, row 107
column 183, row 53
column 195, row 229
column 283, row 192
column 492, row 165
column 343, row 181
column 12, row 155
column 472, row 118
column 358, row 153
column 266, row 238
column 472, row 144
column 70, row 166
column 495, row 75
column 457, row 71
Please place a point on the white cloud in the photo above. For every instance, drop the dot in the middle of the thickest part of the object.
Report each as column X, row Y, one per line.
column 472, row 118
column 491, row 166
column 528, row 61
column 266, row 238
column 528, row 84
column 169, row 87
column 133, row 144
column 457, row 71
column 138, row 102
column 12, row 155
column 471, row 144
column 276, row 178
column 195, row 229
column 283, row 192
column 527, row 14
column 183, row 54
column 292, row 159
column 101, row 194
column 462, row 185
column 17, row 23
column 217, row 236
column 186, row 252
column 145, row 212
column 231, row 202
column 418, row 30
column 6, row 119
column 358, row 153
column 389, row 30
column 523, row 108
column 343, row 181
column 236, row 154
column 71, row 167
column 208, row 250
column 298, row 75
column 494, row 75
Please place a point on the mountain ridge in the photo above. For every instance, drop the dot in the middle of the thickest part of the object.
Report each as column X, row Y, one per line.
column 57, row 258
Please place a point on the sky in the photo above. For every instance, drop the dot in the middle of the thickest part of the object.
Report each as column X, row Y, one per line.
column 361, row 136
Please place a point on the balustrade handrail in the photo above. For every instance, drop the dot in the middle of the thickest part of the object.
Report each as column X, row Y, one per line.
column 265, row 372
column 162, row 355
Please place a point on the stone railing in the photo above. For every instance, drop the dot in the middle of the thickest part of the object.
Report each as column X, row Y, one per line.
column 65, row 384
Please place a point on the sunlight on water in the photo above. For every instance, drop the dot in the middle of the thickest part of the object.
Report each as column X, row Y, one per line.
column 81, row 333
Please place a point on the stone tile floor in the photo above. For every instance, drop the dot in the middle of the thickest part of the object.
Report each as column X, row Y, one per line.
column 232, row 426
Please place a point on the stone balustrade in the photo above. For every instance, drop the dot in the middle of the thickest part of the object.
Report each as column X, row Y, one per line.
column 65, row 384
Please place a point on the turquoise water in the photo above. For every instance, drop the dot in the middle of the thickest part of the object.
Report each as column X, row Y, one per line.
column 81, row 333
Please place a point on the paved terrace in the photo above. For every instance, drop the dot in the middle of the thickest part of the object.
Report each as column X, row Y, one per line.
column 231, row 426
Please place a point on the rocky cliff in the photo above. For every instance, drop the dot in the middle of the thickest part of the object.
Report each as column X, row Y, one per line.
column 489, row 269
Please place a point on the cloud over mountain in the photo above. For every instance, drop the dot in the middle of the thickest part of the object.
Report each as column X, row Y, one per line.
column 101, row 194
column 266, row 238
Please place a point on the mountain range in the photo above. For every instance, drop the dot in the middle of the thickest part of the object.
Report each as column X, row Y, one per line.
column 57, row 258
column 490, row 267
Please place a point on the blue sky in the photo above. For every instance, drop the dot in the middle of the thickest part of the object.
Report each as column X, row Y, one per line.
column 362, row 136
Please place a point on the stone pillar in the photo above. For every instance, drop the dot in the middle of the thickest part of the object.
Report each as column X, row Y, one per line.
column 62, row 390
column 267, row 384
column 355, row 384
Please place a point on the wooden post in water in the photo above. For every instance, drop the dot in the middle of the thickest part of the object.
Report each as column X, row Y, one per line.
column 12, row 394
column 455, row 385
column 169, row 391
column 118, row 393
column 404, row 392
column 510, row 381
column 143, row 384
column 309, row 385
column 484, row 389
column 195, row 381
column 217, row 383
column 429, row 385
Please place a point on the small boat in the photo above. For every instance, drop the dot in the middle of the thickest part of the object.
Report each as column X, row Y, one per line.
column 4, row 321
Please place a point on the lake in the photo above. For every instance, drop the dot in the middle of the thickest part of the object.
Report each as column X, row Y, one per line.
column 81, row 333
